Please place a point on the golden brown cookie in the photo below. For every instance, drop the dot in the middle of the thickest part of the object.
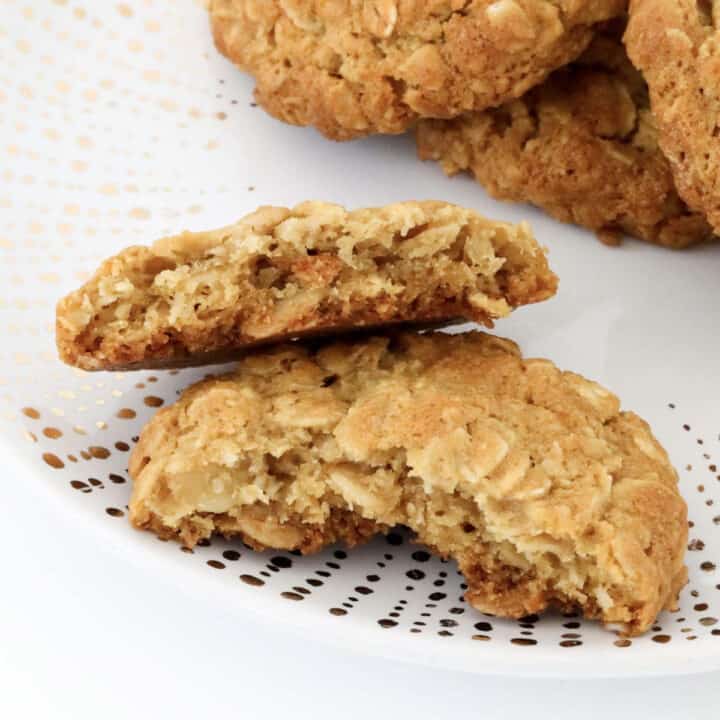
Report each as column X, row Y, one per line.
column 582, row 146
column 676, row 44
column 281, row 273
column 353, row 68
column 531, row 478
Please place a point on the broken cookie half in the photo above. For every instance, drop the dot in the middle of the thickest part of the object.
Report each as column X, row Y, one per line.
column 531, row 478
column 281, row 273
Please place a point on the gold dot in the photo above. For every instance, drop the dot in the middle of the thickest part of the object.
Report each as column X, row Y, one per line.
column 221, row 116
column 52, row 432
column 126, row 413
column 31, row 413
column 80, row 13
column 139, row 213
column 53, row 461
column 62, row 86
column 85, row 142
column 99, row 452
column 125, row 10
column 49, row 277
column 152, row 26
column 135, row 46
column 153, row 401
column 80, row 430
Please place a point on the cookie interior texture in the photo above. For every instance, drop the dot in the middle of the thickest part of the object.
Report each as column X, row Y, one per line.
column 531, row 478
column 354, row 68
column 676, row 44
column 583, row 146
column 279, row 273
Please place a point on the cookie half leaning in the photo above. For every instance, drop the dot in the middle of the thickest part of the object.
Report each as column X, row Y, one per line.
column 676, row 44
column 354, row 68
column 531, row 478
column 280, row 273
column 583, row 146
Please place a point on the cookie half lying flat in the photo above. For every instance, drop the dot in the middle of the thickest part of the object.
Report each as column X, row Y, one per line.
column 582, row 146
column 676, row 44
column 279, row 273
column 354, row 68
column 531, row 478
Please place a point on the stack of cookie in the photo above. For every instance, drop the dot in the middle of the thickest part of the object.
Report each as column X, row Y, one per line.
column 538, row 99
column 531, row 478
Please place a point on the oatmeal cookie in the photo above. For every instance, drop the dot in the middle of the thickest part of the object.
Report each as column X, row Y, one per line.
column 583, row 146
column 351, row 67
column 531, row 478
column 281, row 273
column 676, row 44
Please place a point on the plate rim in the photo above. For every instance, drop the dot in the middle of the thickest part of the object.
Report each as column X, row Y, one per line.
column 602, row 663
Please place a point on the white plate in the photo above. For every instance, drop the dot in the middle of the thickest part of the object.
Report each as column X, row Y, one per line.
column 122, row 124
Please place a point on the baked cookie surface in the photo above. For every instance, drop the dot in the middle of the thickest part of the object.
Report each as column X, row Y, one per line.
column 280, row 273
column 531, row 478
column 583, row 146
column 353, row 68
column 676, row 44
